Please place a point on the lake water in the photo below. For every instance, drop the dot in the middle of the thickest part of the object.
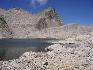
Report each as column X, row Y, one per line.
column 14, row 48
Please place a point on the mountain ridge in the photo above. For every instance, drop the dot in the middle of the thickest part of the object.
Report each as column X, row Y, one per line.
column 24, row 23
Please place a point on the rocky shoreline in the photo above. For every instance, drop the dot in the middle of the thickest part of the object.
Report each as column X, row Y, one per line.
column 69, row 54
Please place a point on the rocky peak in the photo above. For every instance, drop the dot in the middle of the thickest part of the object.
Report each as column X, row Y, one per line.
column 51, row 14
column 17, row 10
column 51, row 19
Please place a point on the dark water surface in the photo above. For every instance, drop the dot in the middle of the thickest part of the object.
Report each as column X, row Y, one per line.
column 14, row 48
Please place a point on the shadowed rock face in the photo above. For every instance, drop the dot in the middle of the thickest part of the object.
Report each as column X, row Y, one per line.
column 6, row 31
column 23, row 23
column 41, row 24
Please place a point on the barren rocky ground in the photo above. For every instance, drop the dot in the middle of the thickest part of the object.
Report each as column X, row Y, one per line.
column 73, row 50
column 68, row 54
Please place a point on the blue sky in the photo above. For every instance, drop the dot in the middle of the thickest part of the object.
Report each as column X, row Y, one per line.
column 71, row 11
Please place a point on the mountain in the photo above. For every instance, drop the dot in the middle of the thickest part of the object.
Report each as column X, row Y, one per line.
column 18, row 23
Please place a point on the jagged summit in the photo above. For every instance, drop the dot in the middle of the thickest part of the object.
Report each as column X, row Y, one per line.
column 51, row 14
column 49, row 9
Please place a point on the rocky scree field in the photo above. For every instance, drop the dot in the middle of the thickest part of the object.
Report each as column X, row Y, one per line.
column 68, row 54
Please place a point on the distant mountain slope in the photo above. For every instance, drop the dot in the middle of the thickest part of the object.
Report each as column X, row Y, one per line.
column 23, row 23
column 66, row 31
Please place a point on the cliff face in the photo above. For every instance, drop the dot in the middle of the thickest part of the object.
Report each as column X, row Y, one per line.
column 22, row 24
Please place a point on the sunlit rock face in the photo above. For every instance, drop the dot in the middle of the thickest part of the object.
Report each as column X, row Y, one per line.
column 26, row 25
